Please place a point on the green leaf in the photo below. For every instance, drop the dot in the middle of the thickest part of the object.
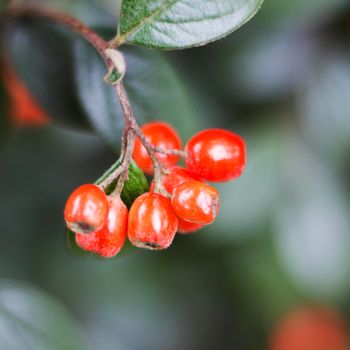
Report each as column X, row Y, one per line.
column 300, row 12
column 42, row 54
column 323, row 103
column 135, row 185
column 176, row 24
column 312, row 223
column 32, row 319
column 155, row 90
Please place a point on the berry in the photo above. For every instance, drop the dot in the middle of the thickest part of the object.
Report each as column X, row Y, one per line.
column 160, row 135
column 152, row 222
column 216, row 155
column 177, row 176
column 196, row 201
column 311, row 329
column 185, row 227
column 109, row 240
column 24, row 110
column 86, row 209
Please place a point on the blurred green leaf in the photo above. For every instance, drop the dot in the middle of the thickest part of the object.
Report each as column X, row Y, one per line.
column 39, row 169
column 264, row 66
column 300, row 12
column 323, row 103
column 312, row 224
column 32, row 319
column 154, row 87
column 266, row 289
column 42, row 55
column 174, row 24
column 5, row 126
column 92, row 12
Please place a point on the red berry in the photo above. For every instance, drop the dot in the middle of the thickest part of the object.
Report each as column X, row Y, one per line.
column 177, row 176
column 185, row 227
column 109, row 240
column 160, row 135
column 24, row 110
column 216, row 155
column 196, row 201
column 152, row 222
column 86, row 209
column 311, row 329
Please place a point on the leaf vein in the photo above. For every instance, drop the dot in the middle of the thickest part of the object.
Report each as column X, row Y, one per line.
column 163, row 7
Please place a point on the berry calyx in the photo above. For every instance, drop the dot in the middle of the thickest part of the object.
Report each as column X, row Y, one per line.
column 86, row 209
column 216, row 155
column 185, row 227
column 196, row 201
column 108, row 241
column 152, row 222
column 160, row 135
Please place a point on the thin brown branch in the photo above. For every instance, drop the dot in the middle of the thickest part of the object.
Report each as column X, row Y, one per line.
column 131, row 129
column 172, row 152
column 61, row 18
column 158, row 167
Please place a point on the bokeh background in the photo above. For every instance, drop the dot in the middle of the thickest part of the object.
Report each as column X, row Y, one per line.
column 281, row 242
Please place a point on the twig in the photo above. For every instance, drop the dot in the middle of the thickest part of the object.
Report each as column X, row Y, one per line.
column 61, row 18
column 131, row 128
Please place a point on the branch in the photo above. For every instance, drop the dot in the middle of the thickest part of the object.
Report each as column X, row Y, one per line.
column 60, row 18
column 131, row 129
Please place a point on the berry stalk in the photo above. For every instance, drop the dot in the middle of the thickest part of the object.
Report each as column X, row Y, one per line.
column 132, row 129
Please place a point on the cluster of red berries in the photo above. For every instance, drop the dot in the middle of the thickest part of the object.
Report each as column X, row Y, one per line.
column 102, row 222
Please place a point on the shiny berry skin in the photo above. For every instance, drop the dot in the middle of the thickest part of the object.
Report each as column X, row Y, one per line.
column 196, row 201
column 216, row 155
column 108, row 241
column 160, row 135
column 152, row 222
column 185, row 227
column 86, row 209
column 177, row 176
column 311, row 328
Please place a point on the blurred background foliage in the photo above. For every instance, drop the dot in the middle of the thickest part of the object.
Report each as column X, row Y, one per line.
column 283, row 235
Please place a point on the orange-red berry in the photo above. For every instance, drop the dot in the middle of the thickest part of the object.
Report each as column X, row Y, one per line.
column 86, row 209
column 152, row 222
column 177, row 176
column 108, row 241
column 311, row 328
column 160, row 135
column 216, row 155
column 185, row 227
column 24, row 110
column 196, row 201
